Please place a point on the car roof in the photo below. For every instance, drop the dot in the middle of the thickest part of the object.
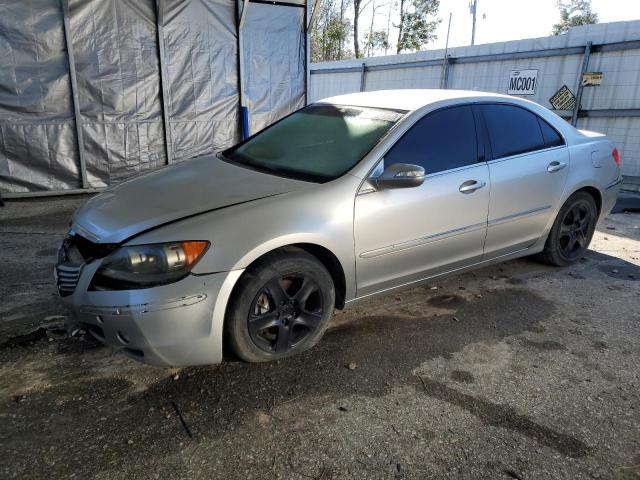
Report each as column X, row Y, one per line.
column 411, row 99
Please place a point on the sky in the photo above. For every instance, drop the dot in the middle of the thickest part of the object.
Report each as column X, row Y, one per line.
column 502, row 20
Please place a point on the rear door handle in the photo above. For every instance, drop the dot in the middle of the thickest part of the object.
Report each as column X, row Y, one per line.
column 471, row 186
column 555, row 167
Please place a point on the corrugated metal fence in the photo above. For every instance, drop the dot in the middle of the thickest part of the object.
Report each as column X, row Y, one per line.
column 94, row 91
column 612, row 108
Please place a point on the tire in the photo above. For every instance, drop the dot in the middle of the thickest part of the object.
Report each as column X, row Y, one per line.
column 572, row 231
column 281, row 306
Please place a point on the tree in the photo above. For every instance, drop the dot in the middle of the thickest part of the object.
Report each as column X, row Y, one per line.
column 392, row 6
column 376, row 40
column 417, row 23
column 574, row 13
column 330, row 32
column 358, row 7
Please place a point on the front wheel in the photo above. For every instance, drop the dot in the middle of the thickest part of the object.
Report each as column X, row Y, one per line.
column 281, row 306
column 572, row 230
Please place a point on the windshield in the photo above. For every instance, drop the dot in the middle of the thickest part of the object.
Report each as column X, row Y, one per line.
column 317, row 143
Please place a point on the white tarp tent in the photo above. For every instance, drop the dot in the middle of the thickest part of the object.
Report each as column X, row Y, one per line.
column 94, row 91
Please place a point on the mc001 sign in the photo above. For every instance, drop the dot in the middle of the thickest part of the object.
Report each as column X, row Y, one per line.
column 523, row 82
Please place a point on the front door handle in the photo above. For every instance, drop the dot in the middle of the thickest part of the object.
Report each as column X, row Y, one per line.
column 555, row 167
column 471, row 186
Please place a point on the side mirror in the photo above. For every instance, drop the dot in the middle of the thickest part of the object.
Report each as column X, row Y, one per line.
column 400, row 175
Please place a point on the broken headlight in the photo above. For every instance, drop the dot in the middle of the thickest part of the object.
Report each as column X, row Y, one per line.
column 143, row 266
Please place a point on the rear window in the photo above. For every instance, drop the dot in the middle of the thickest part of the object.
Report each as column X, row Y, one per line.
column 513, row 130
column 551, row 137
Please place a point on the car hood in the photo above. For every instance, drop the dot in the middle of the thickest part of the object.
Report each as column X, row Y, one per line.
column 171, row 193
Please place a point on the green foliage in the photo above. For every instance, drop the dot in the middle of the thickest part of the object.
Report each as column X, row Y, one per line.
column 330, row 32
column 377, row 40
column 337, row 25
column 574, row 13
column 417, row 23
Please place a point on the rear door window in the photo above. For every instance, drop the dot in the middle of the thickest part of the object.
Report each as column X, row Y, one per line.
column 513, row 130
column 441, row 140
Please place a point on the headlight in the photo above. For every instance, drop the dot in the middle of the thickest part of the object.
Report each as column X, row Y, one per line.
column 143, row 266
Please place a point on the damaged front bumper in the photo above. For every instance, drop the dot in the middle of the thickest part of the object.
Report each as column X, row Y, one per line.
column 178, row 324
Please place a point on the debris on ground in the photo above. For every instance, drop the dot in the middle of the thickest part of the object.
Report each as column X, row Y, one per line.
column 25, row 339
column 182, row 420
column 514, row 474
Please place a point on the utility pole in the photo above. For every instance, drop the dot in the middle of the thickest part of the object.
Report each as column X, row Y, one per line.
column 446, row 45
column 445, row 60
column 386, row 49
column 473, row 8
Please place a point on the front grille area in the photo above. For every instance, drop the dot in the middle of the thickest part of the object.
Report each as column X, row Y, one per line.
column 74, row 253
column 67, row 278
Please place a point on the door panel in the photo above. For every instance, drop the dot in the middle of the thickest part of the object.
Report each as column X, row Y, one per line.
column 527, row 183
column 524, row 196
column 405, row 235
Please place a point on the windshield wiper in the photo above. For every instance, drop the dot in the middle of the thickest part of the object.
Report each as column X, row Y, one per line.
column 252, row 163
column 281, row 172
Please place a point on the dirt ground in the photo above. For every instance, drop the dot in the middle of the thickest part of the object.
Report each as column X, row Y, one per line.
column 517, row 371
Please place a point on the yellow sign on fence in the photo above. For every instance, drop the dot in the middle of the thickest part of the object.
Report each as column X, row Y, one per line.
column 592, row 79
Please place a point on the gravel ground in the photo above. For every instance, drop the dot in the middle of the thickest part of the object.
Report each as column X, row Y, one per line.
column 517, row 371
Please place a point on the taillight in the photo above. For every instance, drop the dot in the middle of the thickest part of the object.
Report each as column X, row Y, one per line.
column 616, row 157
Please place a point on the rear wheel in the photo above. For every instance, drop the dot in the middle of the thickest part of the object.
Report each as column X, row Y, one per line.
column 281, row 307
column 572, row 230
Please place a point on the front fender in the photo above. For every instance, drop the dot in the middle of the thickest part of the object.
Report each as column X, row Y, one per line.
column 283, row 241
column 320, row 215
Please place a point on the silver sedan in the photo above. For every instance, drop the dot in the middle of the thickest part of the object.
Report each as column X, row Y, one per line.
column 353, row 196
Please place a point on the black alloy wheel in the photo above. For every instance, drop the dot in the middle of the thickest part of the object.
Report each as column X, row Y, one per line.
column 285, row 312
column 572, row 230
column 281, row 306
